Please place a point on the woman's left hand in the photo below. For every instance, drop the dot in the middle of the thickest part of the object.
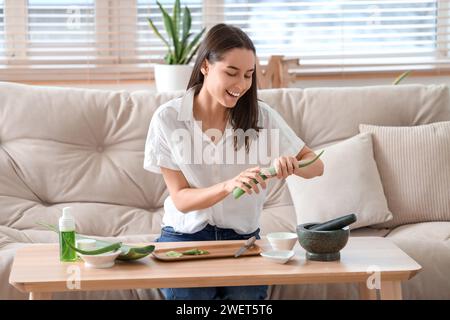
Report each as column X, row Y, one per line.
column 285, row 166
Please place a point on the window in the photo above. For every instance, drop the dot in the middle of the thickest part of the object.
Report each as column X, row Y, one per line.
column 336, row 36
column 60, row 33
column 2, row 31
column 86, row 39
column 112, row 40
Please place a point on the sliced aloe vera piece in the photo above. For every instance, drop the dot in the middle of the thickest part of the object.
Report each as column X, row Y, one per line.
column 134, row 253
column 127, row 252
column 195, row 252
column 174, row 254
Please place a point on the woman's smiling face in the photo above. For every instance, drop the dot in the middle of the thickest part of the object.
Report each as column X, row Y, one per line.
column 229, row 79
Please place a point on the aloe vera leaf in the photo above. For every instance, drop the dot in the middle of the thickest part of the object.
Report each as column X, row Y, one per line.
column 128, row 253
column 174, row 254
column 111, row 247
column 48, row 226
column 195, row 252
column 401, row 77
column 134, row 253
column 238, row 192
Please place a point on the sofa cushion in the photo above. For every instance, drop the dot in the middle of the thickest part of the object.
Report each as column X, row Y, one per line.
column 350, row 184
column 322, row 116
column 83, row 144
column 429, row 244
column 415, row 170
column 78, row 147
column 100, row 219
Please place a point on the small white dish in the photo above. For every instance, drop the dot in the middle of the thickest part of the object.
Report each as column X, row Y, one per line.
column 86, row 244
column 100, row 261
column 278, row 256
column 282, row 240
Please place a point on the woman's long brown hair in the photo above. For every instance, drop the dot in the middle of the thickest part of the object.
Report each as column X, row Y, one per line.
column 220, row 39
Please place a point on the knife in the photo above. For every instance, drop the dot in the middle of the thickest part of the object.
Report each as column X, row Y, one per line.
column 248, row 244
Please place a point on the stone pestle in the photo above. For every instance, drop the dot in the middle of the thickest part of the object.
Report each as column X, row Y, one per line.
column 334, row 224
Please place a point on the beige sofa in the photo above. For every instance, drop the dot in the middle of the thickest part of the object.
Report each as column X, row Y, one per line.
column 84, row 148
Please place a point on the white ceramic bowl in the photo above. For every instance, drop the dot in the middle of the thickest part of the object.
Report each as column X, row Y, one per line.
column 100, row 261
column 278, row 256
column 86, row 244
column 282, row 240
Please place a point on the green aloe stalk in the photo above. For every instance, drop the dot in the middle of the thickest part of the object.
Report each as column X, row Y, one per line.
column 238, row 192
column 104, row 249
column 401, row 77
column 127, row 252
column 180, row 49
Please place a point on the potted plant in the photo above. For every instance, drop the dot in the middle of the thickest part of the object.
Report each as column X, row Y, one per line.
column 175, row 74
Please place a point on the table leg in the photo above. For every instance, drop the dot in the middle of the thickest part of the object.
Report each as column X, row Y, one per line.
column 365, row 293
column 391, row 290
column 40, row 296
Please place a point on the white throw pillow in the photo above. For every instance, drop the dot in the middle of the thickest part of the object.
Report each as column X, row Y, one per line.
column 414, row 166
column 350, row 184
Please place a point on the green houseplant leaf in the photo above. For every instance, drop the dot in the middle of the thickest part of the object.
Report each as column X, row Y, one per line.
column 186, row 27
column 155, row 30
column 171, row 32
column 176, row 17
column 193, row 47
column 187, row 23
column 180, row 49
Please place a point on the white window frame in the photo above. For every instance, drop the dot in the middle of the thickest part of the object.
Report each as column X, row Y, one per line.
column 15, row 29
column 443, row 30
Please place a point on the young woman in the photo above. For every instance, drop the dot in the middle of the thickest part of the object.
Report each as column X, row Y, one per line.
column 204, row 144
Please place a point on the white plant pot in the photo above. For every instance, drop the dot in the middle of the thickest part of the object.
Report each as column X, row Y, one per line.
column 172, row 77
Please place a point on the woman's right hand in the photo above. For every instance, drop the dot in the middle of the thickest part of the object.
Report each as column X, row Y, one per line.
column 244, row 180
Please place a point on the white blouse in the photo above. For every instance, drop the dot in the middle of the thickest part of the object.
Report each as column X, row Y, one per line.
column 175, row 141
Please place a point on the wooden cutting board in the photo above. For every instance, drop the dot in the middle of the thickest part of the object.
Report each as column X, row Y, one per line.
column 219, row 250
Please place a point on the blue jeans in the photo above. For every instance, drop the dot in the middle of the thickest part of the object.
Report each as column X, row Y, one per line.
column 223, row 293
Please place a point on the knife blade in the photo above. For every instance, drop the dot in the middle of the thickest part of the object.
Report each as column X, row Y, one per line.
column 248, row 244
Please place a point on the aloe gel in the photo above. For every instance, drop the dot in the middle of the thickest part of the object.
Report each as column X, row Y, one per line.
column 67, row 235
